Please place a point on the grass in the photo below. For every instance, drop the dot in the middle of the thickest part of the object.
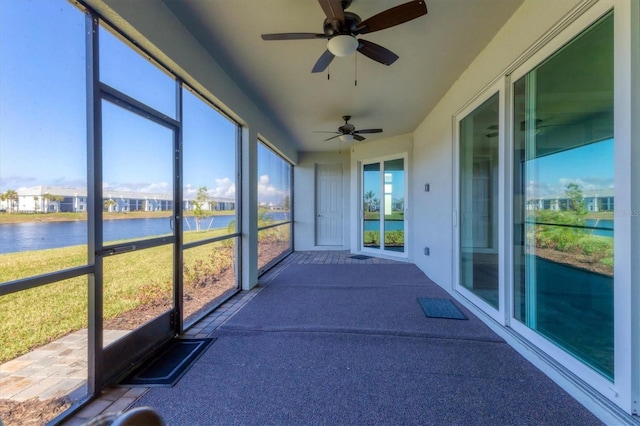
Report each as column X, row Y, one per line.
column 77, row 216
column 37, row 316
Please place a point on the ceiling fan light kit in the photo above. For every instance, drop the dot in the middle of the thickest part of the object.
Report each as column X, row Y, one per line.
column 342, row 45
column 347, row 132
column 341, row 29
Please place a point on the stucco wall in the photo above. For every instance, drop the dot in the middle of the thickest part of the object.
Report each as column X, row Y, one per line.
column 433, row 139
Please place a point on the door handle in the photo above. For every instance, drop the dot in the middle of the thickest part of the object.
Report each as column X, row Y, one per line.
column 116, row 250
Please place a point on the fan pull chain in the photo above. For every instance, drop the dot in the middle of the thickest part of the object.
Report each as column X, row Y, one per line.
column 356, row 72
column 329, row 73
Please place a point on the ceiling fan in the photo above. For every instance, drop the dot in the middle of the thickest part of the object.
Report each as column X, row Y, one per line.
column 341, row 29
column 347, row 132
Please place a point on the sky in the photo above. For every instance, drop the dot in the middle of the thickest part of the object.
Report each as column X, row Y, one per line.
column 43, row 113
column 590, row 166
column 394, row 180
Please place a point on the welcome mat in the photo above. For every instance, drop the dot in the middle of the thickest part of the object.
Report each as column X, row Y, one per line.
column 169, row 366
column 360, row 257
column 441, row 308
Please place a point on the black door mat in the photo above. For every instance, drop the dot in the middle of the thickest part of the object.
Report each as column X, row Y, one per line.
column 360, row 257
column 168, row 366
column 441, row 308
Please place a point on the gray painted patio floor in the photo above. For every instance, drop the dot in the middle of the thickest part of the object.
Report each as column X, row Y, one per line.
column 319, row 345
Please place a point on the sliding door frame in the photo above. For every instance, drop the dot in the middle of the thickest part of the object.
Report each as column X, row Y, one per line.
column 501, row 314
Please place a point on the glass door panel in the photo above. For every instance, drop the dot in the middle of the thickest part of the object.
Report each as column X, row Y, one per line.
column 479, row 201
column 393, row 207
column 371, row 203
column 564, row 187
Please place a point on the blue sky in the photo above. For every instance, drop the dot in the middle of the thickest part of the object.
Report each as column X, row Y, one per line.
column 590, row 166
column 43, row 113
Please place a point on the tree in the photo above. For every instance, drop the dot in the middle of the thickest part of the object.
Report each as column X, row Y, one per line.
column 576, row 199
column 50, row 198
column 36, row 204
column 201, row 200
column 12, row 197
column 108, row 204
column 368, row 196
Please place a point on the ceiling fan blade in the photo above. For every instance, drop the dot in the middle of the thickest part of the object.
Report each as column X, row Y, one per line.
column 369, row 131
column 333, row 10
column 321, row 131
column 359, row 138
column 332, row 137
column 392, row 17
column 293, row 36
column 377, row 52
column 323, row 62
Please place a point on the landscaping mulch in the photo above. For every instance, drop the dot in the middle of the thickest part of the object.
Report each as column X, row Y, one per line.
column 31, row 412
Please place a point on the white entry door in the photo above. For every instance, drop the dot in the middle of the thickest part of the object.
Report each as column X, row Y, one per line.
column 329, row 204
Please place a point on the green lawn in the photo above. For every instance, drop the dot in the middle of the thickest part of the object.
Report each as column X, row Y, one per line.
column 37, row 316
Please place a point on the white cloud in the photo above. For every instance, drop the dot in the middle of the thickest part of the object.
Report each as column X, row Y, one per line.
column 268, row 193
column 224, row 188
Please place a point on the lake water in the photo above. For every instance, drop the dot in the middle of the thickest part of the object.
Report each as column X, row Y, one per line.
column 16, row 237
column 389, row 225
column 604, row 227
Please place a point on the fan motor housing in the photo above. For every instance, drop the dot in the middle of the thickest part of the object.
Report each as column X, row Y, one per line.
column 351, row 21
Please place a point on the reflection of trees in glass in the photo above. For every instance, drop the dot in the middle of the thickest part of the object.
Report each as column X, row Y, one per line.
column 567, row 231
column 576, row 200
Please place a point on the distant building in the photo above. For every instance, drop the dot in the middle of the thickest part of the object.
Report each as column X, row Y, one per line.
column 36, row 200
column 601, row 200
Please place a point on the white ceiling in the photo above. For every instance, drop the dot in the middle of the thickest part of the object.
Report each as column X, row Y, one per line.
column 434, row 50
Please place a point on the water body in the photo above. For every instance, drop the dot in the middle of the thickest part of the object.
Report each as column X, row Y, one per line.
column 18, row 237
column 601, row 223
column 389, row 225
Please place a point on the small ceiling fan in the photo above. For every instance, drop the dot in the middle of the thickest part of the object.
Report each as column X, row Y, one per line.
column 347, row 132
column 341, row 29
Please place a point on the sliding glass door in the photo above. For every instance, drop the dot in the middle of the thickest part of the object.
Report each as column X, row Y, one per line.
column 563, row 198
column 383, row 206
column 479, row 242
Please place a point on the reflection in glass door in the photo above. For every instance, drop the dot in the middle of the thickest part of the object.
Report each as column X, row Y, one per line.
column 137, row 254
column 563, row 198
column 479, row 248
column 383, row 206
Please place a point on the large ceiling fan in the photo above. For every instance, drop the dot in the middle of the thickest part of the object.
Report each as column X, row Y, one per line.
column 341, row 29
column 347, row 132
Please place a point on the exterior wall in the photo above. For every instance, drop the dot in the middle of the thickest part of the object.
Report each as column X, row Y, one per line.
column 304, row 198
column 433, row 138
column 433, row 212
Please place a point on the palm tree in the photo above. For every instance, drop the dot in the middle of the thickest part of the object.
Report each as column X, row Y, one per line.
column 368, row 196
column 108, row 204
column 50, row 198
column 11, row 196
column 36, row 205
